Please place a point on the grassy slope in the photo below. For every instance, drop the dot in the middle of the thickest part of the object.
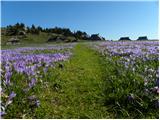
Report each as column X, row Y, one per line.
column 79, row 88
column 32, row 40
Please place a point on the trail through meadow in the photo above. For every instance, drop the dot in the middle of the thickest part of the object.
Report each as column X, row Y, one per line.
column 80, row 86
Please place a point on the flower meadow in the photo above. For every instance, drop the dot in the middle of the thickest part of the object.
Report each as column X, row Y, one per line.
column 134, row 77
column 27, row 64
column 81, row 80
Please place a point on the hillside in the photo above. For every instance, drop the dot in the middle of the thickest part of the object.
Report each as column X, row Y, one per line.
column 22, row 34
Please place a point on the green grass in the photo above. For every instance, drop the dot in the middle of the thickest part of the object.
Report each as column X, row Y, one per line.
column 121, row 83
column 87, row 86
column 51, row 51
column 80, row 88
column 74, row 91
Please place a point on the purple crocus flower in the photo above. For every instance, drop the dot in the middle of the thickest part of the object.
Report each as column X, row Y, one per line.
column 32, row 83
column 12, row 95
column 8, row 77
column 2, row 113
column 45, row 69
column 131, row 97
column 33, row 99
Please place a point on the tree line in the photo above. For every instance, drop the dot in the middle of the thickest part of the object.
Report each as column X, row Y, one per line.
column 21, row 28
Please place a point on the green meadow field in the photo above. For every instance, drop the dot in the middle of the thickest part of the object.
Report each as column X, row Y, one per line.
column 79, row 59
column 80, row 80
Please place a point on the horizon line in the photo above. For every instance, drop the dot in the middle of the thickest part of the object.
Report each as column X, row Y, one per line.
column 84, row 31
column 82, row 0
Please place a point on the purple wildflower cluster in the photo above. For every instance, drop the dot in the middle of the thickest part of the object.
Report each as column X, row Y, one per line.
column 17, row 61
column 130, row 52
column 144, row 49
column 133, row 55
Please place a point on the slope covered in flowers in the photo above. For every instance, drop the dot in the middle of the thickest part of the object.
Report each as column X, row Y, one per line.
column 133, row 82
column 23, row 68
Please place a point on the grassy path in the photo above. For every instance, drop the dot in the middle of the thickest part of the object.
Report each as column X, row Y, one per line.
column 86, row 86
column 78, row 87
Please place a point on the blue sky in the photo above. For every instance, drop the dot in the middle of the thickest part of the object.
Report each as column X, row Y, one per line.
column 110, row 19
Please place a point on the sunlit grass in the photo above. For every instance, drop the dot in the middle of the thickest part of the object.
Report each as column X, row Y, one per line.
column 88, row 85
